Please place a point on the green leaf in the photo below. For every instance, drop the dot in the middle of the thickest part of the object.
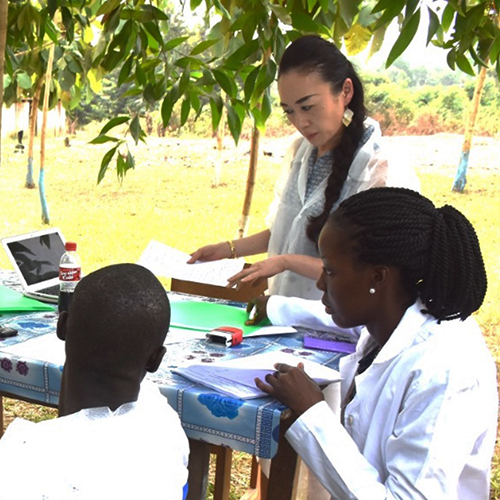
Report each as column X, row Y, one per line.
column 67, row 20
column 434, row 25
column 107, row 7
column 281, row 13
column 250, row 83
column 235, row 60
column 266, row 106
column 195, row 102
column 202, row 47
column 495, row 48
column 266, row 76
column 464, row 64
column 185, row 108
column 140, row 75
column 23, row 79
column 303, row 22
column 227, row 85
column 218, row 5
column 121, row 166
column 451, row 59
column 325, row 5
column 101, row 139
column 389, row 11
column 384, row 5
column 404, row 39
column 105, row 162
column 156, row 14
column 447, row 17
column 125, row 70
column 171, row 44
column 184, row 81
column 348, row 10
column 216, row 107
column 377, row 40
column 234, row 124
column 135, row 128
column 114, row 123
column 166, row 109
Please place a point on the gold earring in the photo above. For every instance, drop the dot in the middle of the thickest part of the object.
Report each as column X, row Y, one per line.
column 347, row 118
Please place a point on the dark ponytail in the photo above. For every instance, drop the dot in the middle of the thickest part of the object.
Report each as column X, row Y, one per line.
column 312, row 53
column 436, row 249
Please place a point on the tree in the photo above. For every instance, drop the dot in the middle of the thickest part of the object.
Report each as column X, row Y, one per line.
column 4, row 5
column 239, row 55
column 461, row 176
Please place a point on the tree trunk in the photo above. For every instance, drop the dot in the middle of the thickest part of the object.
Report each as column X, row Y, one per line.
column 461, row 175
column 252, row 171
column 220, row 144
column 30, row 183
column 4, row 8
column 41, row 179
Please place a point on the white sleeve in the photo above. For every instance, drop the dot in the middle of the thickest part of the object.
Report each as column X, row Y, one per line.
column 328, row 450
column 440, row 446
column 294, row 311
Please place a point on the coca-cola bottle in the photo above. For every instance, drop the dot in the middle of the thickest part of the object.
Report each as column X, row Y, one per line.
column 70, row 271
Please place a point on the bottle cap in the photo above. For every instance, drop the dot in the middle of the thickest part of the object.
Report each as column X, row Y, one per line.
column 70, row 246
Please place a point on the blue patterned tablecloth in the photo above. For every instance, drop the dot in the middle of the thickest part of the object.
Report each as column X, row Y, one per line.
column 251, row 426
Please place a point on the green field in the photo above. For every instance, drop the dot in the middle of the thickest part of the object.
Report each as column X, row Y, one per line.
column 169, row 197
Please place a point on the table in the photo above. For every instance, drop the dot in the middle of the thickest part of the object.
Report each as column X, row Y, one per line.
column 251, row 426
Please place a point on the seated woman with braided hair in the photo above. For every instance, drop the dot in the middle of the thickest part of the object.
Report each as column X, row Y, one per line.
column 419, row 407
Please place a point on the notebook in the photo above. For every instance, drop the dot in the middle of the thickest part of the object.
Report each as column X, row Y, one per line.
column 35, row 257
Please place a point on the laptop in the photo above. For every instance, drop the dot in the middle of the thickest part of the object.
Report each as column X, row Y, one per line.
column 35, row 257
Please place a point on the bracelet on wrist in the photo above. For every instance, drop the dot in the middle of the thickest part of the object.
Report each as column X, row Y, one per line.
column 233, row 250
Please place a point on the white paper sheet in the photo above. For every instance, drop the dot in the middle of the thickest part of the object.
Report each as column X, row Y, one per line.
column 163, row 260
column 235, row 377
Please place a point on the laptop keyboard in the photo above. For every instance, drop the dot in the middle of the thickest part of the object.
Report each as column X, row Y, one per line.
column 51, row 290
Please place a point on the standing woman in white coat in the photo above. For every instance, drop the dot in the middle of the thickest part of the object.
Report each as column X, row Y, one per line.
column 419, row 408
column 338, row 155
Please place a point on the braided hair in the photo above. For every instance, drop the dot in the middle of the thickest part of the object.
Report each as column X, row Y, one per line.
column 436, row 249
column 313, row 53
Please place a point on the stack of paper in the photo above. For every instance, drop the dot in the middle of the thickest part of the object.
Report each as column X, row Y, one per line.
column 236, row 377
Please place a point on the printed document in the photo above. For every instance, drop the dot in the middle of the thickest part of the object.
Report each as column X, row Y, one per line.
column 235, row 377
column 169, row 262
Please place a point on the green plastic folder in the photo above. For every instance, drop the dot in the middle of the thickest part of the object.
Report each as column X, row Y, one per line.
column 12, row 301
column 205, row 316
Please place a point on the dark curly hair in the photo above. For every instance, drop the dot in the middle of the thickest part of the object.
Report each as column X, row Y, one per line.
column 436, row 249
column 313, row 53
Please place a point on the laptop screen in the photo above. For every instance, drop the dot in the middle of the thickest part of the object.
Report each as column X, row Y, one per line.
column 38, row 257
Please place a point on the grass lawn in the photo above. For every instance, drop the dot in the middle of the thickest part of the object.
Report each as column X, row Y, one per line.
column 169, row 197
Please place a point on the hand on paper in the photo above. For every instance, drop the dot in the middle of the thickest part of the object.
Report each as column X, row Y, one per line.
column 292, row 386
column 259, row 306
column 259, row 271
column 211, row 252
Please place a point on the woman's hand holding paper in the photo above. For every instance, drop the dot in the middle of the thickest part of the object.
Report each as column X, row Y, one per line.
column 292, row 386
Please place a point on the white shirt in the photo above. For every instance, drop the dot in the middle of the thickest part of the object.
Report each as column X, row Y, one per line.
column 422, row 423
column 138, row 451
column 290, row 211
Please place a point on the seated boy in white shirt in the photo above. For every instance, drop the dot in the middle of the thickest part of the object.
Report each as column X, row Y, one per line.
column 115, row 436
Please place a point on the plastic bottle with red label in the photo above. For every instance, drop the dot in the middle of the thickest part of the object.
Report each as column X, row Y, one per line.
column 70, row 270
